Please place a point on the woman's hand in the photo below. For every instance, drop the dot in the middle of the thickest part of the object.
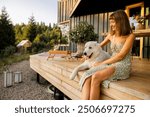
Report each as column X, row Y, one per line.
column 96, row 64
column 84, row 58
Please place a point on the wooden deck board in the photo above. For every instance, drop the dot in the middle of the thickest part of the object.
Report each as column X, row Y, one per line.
column 119, row 95
column 58, row 71
column 132, row 88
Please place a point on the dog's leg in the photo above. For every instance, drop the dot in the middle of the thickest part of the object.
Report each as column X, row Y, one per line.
column 79, row 68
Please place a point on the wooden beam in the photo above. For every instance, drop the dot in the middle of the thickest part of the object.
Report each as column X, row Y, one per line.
column 140, row 4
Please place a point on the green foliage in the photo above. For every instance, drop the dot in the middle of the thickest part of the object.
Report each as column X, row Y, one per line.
column 38, row 38
column 56, row 35
column 82, row 33
column 12, row 59
column 7, row 33
column 45, row 36
column 41, row 28
column 50, row 27
column 64, row 40
column 38, row 46
column 39, row 34
column 9, row 50
column 20, row 32
column 31, row 30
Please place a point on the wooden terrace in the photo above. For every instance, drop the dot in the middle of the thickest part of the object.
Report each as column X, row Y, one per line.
column 57, row 72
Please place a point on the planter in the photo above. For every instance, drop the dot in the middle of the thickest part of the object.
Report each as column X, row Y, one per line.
column 8, row 78
column 80, row 48
column 79, row 52
column 18, row 77
column 80, row 34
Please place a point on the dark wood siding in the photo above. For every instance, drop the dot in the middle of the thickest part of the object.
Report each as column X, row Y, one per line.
column 100, row 21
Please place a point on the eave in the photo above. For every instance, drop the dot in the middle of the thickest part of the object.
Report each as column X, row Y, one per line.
column 86, row 7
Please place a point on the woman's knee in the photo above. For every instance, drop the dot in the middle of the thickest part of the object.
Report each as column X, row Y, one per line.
column 96, row 79
column 87, row 81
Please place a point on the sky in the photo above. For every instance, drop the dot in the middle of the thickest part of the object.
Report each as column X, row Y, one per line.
column 20, row 11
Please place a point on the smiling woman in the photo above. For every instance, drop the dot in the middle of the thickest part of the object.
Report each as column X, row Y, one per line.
column 45, row 11
column 117, row 67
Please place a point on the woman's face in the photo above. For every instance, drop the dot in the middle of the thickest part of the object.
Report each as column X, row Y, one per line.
column 113, row 24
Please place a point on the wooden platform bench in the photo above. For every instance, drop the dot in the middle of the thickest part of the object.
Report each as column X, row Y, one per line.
column 57, row 72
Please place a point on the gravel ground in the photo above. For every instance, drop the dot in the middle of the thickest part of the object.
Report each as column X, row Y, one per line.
column 28, row 89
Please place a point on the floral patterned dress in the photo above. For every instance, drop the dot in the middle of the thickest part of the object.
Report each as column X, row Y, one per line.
column 122, row 68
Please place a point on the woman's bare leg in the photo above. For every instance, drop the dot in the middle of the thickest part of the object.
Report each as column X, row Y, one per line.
column 86, row 89
column 96, row 80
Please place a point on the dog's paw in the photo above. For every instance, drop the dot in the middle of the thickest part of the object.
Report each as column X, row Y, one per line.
column 72, row 77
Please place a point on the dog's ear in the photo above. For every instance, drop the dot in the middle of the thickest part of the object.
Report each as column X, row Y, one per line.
column 96, row 44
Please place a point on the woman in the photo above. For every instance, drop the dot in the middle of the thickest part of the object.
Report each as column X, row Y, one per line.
column 118, row 66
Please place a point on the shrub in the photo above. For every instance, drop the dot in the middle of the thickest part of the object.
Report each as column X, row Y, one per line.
column 9, row 50
column 82, row 33
column 36, row 47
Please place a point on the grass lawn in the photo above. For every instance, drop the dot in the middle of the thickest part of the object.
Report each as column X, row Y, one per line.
column 13, row 59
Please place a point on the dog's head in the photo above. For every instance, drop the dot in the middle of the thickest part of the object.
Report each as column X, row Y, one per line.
column 91, row 48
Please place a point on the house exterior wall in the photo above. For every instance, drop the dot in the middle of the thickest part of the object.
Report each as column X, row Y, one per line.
column 100, row 21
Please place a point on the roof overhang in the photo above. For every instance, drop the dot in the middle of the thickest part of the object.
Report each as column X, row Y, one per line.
column 86, row 7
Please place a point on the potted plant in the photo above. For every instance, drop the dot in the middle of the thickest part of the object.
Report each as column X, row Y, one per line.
column 82, row 33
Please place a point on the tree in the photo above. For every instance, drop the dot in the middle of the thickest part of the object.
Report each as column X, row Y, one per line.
column 31, row 30
column 56, row 35
column 41, row 28
column 7, row 33
column 19, row 32
column 50, row 27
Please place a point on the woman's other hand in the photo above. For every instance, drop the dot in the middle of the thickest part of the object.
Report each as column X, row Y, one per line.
column 96, row 64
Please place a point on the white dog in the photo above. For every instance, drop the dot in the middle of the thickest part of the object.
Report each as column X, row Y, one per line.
column 94, row 53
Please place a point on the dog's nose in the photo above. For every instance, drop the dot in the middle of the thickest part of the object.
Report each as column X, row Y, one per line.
column 85, row 53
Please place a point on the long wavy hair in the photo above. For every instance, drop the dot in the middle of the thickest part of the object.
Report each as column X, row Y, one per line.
column 122, row 23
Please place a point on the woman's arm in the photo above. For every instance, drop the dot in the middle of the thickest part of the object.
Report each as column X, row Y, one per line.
column 124, row 51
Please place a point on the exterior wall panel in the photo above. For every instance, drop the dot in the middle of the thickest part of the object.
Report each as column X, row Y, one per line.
column 88, row 19
column 99, row 21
